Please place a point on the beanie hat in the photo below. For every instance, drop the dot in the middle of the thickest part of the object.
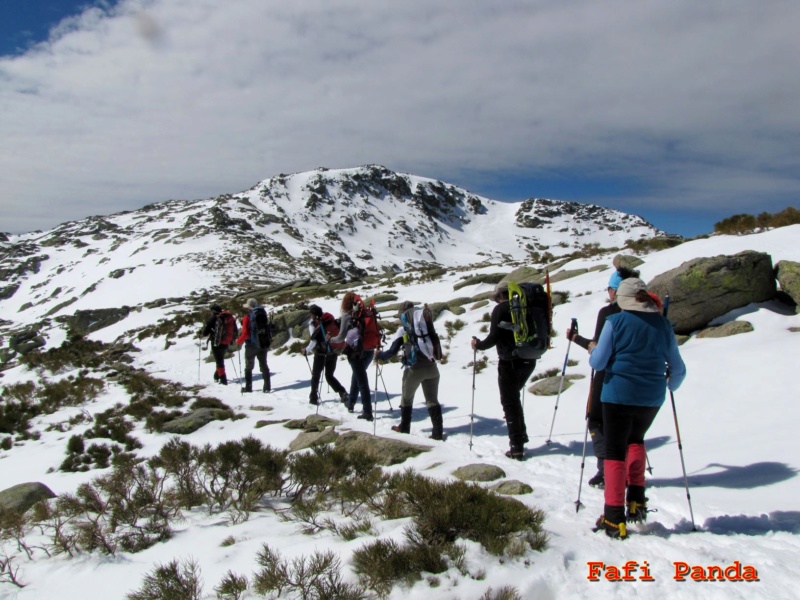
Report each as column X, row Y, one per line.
column 216, row 309
column 499, row 290
column 626, row 296
column 250, row 304
column 616, row 279
column 315, row 310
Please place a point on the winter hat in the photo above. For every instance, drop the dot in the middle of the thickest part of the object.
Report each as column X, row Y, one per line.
column 404, row 307
column 250, row 304
column 315, row 310
column 216, row 309
column 627, row 296
column 499, row 290
column 615, row 280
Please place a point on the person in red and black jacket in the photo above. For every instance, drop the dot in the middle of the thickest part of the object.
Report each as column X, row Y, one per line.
column 218, row 351
column 251, row 353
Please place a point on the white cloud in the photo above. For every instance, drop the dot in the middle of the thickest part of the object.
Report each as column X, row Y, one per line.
column 190, row 98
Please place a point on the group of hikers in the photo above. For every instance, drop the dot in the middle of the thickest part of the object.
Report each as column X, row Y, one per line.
column 633, row 354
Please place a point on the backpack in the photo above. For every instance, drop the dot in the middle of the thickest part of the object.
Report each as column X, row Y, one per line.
column 365, row 321
column 530, row 307
column 330, row 327
column 225, row 329
column 260, row 330
column 418, row 326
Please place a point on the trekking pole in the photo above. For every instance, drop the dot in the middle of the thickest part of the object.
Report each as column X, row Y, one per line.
column 241, row 389
column 678, row 434
column 233, row 367
column 199, row 358
column 472, row 410
column 573, row 329
column 319, row 386
column 383, row 381
column 578, row 503
column 375, row 404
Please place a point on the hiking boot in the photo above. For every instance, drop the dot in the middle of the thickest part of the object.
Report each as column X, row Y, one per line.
column 223, row 379
column 516, row 453
column 216, row 376
column 397, row 429
column 617, row 531
column 598, row 481
column 248, row 383
column 435, row 413
column 343, row 397
column 405, row 420
column 365, row 416
column 350, row 407
column 314, row 401
column 637, row 512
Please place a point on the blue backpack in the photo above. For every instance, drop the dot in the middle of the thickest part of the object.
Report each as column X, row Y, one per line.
column 260, row 330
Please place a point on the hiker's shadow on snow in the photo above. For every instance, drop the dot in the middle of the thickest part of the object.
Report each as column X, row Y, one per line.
column 786, row 521
column 480, row 426
column 733, row 477
column 575, row 447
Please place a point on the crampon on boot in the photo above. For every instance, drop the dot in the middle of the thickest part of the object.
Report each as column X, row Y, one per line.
column 612, row 522
column 598, row 481
column 636, row 504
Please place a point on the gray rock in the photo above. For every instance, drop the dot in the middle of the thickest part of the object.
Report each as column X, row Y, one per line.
column 626, row 261
column 788, row 275
column 525, row 274
column 25, row 347
column 703, row 289
column 549, row 385
column 194, row 420
column 511, row 487
column 479, row 472
column 307, row 439
column 7, row 291
column 492, row 278
column 386, row 451
column 312, row 423
column 725, row 330
column 87, row 321
column 21, row 497
column 562, row 275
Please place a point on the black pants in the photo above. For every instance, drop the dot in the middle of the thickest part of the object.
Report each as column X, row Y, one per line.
column 359, row 382
column 625, row 424
column 250, row 357
column 218, row 352
column 328, row 363
column 596, row 419
column 512, row 375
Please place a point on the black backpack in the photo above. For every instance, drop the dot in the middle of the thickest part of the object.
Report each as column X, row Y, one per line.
column 260, row 330
column 225, row 329
column 530, row 317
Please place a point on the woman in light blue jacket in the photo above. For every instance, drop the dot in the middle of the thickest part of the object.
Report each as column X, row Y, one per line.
column 639, row 354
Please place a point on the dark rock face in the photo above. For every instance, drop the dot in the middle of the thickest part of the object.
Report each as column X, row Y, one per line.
column 20, row 498
column 87, row 321
column 194, row 420
column 703, row 289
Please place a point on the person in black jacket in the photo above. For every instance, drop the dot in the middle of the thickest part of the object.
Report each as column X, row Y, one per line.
column 218, row 351
column 324, row 358
column 595, row 406
column 512, row 372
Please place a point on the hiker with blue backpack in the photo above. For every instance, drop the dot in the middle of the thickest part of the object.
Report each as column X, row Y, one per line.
column 514, row 366
column 326, row 354
column 256, row 336
column 421, row 349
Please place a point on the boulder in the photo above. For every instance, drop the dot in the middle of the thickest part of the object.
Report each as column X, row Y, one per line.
column 479, row 472
column 87, row 321
column 725, row 330
column 314, row 423
column 21, row 497
column 307, row 439
column 386, row 451
column 703, row 289
column 549, row 386
column 562, row 275
column 788, row 274
column 626, row 261
column 191, row 422
column 511, row 487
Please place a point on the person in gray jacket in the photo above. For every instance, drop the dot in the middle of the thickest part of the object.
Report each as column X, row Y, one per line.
column 419, row 367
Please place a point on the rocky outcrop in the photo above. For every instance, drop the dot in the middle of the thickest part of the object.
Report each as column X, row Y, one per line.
column 316, row 423
column 309, row 439
column 626, row 261
column 193, row 421
column 511, row 487
column 787, row 273
column 703, row 289
column 386, row 451
column 549, row 386
column 20, row 498
column 87, row 321
column 479, row 472
column 726, row 330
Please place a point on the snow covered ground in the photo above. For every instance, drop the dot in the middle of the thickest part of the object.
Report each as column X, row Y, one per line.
column 737, row 410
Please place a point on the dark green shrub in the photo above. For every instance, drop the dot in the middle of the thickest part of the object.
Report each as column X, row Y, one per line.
column 231, row 587
column 77, row 353
column 173, row 581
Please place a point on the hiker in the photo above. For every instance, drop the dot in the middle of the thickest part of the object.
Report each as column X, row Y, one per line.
column 254, row 348
column 324, row 355
column 633, row 349
column 512, row 372
column 220, row 330
column 595, row 406
column 358, row 356
column 419, row 367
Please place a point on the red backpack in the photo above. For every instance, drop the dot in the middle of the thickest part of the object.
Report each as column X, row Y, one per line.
column 225, row 329
column 331, row 327
column 366, row 319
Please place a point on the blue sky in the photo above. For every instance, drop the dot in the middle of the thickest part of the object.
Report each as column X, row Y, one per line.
column 658, row 109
